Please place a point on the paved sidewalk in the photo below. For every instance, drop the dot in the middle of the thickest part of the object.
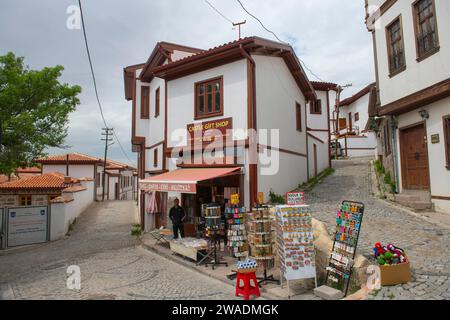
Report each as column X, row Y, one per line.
column 426, row 240
column 113, row 265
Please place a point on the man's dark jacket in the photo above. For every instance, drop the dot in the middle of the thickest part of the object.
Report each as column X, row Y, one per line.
column 176, row 215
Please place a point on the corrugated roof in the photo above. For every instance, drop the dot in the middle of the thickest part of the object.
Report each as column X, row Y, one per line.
column 53, row 180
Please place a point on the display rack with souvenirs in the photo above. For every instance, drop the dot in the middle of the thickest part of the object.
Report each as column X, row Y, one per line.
column 260, row 232
column 295, row 244
column 348, row 225
column 236, row 232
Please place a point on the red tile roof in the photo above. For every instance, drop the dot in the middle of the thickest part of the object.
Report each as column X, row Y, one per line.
column 357, row 95
column 323, row 86
column 28, row 170
column 74, row 158
column 46, row 181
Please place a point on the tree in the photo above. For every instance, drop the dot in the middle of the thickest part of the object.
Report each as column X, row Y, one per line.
column 34, row 111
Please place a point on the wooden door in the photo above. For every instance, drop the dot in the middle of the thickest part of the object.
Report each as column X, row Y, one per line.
column 350, row 122
column 414, row 158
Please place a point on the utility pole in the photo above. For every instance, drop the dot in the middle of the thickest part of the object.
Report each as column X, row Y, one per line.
column 107, row 133
column 238, row 24
column 337, row 124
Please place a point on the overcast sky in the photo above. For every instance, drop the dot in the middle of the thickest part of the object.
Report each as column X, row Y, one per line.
column 328, row 35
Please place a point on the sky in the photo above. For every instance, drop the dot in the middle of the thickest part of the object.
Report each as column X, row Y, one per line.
column 328, row 35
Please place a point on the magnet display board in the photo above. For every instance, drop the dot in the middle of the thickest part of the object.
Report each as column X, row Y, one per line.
column 27, row 225
column 295, row 242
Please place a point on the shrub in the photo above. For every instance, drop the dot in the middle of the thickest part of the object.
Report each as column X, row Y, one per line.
column 136, row 230
column 276, row 198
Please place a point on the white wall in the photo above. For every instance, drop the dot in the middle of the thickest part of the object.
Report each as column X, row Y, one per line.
column 181, row 97
column 150, row 156
column 320, row 121
column 418, row 75
column 439, row 175
column 75, row 171
column 63, row 214
column 322, row 160
column 360, row 106
column 364, row 145
column 276, row 97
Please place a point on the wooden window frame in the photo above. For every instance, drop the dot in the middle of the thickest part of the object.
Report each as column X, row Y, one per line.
column 429, row 53
column 145, row 102
column 316, row 107
column 157, row 102
column 155, row 157
column 298, row 117
column 356, row 116
column 446, row 123
column 197, row 115
column 395, row 72
column 29, row 199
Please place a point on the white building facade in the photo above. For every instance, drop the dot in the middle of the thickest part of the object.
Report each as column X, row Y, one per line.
column 412, row 50
column 249, row 84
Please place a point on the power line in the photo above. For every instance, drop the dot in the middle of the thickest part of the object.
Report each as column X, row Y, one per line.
column 95, row 82
column 275, row 35
column 260, row 22
column 220, row 13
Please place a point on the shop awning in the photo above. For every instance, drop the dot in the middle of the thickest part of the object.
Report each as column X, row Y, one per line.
column 184, row 180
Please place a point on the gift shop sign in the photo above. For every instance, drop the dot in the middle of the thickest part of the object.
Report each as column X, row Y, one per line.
column 169, row 187
column 295, row 198
column 210, row 130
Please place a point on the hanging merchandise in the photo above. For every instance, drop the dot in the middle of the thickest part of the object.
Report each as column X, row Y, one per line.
column 260, row 227
column 236, row 234
column 214, row 225
column 295, row 242
column 348, row 226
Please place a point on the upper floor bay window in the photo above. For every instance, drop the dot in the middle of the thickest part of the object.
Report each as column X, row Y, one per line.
column 396, row 48
column 209, row 98
column 425, row 26
column 145, row 102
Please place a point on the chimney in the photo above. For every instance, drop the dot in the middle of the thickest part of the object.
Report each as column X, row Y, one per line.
column 67, row 180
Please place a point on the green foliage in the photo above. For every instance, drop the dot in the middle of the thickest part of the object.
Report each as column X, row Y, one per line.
column 136, row 230
column 379, row 168
column 276, row 198
column 311, row 183
column 34, row 111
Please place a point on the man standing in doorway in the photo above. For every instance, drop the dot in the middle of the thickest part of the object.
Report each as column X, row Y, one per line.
column 177, row 216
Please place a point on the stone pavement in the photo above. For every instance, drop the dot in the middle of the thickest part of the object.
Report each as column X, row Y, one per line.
column 112, row 264
column 426, row 243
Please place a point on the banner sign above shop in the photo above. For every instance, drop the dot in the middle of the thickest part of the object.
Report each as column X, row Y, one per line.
column 169, row 187
column 295, row 198
column 209, row 131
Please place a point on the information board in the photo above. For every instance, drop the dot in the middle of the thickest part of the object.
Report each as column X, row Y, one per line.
column 27, row 225
column 295, row 198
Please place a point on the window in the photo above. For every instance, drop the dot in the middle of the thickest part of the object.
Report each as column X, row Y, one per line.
column 98, row 179
column 298, row 116
column 425, row 26
column 447, row 140
column 387, row 141
column 157, row 93
column 356, row 116
column 396, row 51
column 145, row 102
column 25, row 200
column 155, row 157
column 316, row 107
column 209, row 98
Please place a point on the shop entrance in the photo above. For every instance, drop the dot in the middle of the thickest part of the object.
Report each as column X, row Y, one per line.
column 414, row 158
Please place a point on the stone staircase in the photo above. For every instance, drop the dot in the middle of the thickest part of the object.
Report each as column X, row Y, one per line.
column 418, row 200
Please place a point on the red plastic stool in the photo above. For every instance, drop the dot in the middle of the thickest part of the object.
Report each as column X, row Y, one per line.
column 247, row 290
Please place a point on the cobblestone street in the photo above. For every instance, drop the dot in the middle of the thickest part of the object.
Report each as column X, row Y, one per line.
column 427, row 244
column 112, row 264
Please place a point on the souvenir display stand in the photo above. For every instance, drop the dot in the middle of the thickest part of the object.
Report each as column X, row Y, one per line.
column 214, row 232
column 261, row 240
column 348, row 226
column 295, row 243
column 236, row 233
